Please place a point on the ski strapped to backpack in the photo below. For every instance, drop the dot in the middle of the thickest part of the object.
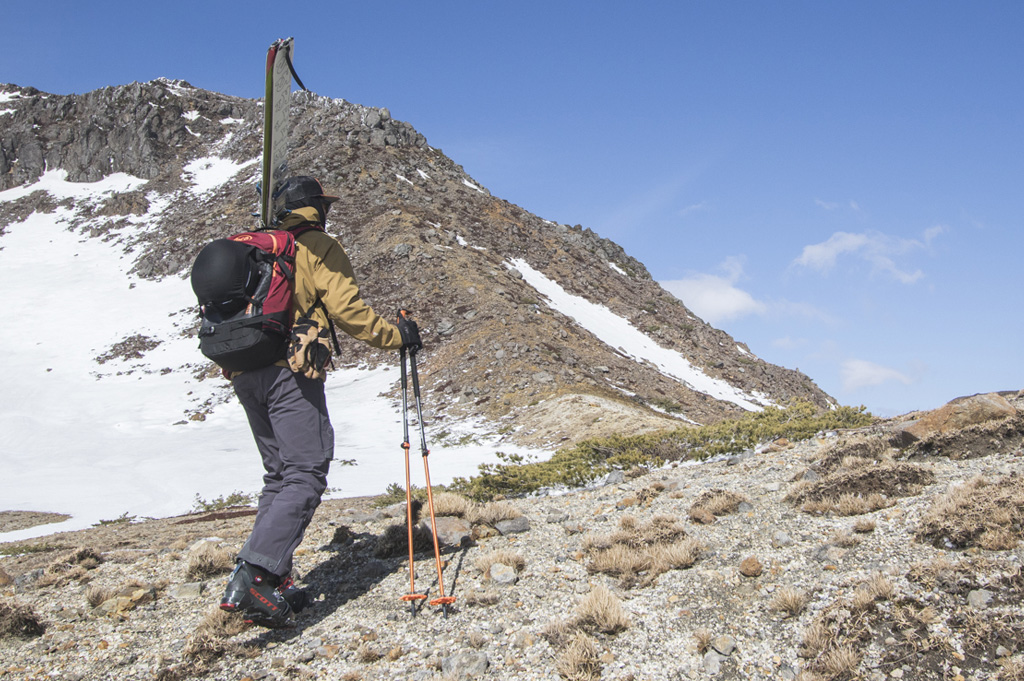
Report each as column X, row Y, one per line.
column 245, row 287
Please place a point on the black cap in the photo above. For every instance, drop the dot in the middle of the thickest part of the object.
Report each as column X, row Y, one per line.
column 298, row 192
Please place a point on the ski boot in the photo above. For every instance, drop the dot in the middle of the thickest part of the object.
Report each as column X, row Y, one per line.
column 298, row 599
column 254, row 592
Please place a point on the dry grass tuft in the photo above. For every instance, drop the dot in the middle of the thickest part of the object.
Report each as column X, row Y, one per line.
column 718, row 502
column 981, row 512
column 208, row 560
column 395, row 540
column 1012, row 669
column 559, row 632
column 864, row 526
column 492, row 513
column 864, row 488
column 839, row 663
column 73, row 566
column 580, row 661
column 342, row 535
column 95, row 595
column 702, row 516
column 679, row 555
column 815, row 640
column 703, row 637
column 644, row 550
column 203, row 647
column 368, row 654
column 451, row 504
column 601, row 611
column 620, row 561
column 790, row 601
column 473, row 597
column 19, row 621
column 844, row 539
column 222, row 624
column 504, row 556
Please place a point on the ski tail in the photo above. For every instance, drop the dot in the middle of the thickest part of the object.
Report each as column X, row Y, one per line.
column 275, row 127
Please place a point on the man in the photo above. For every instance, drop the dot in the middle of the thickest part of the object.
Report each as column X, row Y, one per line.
column 287, row 409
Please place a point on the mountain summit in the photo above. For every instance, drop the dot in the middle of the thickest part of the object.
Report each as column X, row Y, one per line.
column 545, row 330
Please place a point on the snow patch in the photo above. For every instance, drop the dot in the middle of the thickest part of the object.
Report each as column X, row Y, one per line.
column 473, row 186
column 423, row 174
column 55, row 182
column 232, row 121
column 209, row 173
column 98, row 441
column 190, row 115
column 617, row 268
column 460, row 240
column 404, row 179
column 621, row 335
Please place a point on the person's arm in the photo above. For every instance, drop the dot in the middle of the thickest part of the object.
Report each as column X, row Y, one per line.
column 336, row 285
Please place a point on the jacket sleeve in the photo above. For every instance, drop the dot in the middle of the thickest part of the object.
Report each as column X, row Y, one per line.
column 335, row 283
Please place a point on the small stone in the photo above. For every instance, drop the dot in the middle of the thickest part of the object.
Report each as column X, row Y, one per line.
column 557, row 517
column 712, row 663
column 724, row 645
column 780, row 539
column 503, row 575
column 513, row 526
column 896, row 673
column 751, row 567
column 979, row 598
column 187, row 590
column 328, row 651
column 465, row 665
column 1002, row 651
column 307, row 656
column 615, row 478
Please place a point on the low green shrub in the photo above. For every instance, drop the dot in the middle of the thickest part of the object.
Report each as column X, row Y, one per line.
column 590, row 459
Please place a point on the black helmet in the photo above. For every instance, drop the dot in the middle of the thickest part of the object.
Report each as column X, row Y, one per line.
column 301, row 191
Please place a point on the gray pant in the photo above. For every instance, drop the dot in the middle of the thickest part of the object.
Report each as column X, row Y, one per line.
column 288, row 416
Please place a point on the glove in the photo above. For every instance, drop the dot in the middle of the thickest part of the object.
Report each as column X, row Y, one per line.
column 308, row 351
column 410, row 332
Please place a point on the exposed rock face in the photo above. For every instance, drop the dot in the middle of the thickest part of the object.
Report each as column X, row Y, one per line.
column 968, row 411
column 422, row 235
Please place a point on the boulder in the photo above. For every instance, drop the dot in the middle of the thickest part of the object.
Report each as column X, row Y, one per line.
column 960, row 413
column 451, row 531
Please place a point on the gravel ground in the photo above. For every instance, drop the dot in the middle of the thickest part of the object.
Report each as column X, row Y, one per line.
column 940, row 613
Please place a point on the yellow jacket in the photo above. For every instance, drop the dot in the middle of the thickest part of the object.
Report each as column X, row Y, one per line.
column 323, row 270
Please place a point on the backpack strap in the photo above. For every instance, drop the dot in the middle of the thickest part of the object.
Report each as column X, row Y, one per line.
column 330, row 323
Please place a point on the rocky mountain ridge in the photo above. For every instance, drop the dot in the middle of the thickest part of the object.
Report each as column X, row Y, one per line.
column 421, row 233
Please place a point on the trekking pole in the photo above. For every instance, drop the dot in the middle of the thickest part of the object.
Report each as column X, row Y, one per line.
column 412, row 596
column 442, row 600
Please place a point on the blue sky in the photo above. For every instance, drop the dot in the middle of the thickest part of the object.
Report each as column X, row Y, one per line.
column 838, row 185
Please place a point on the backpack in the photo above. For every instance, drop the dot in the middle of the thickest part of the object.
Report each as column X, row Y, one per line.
column 245, row 285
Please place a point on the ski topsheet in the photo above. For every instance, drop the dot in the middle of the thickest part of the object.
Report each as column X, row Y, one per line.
column 275, row 128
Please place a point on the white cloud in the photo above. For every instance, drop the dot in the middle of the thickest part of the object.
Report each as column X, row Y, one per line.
column 694, row 208
column 876, row 249
column 860, row 373
column 716, row 298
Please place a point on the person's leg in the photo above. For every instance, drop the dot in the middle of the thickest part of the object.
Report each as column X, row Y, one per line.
column 296, row 458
